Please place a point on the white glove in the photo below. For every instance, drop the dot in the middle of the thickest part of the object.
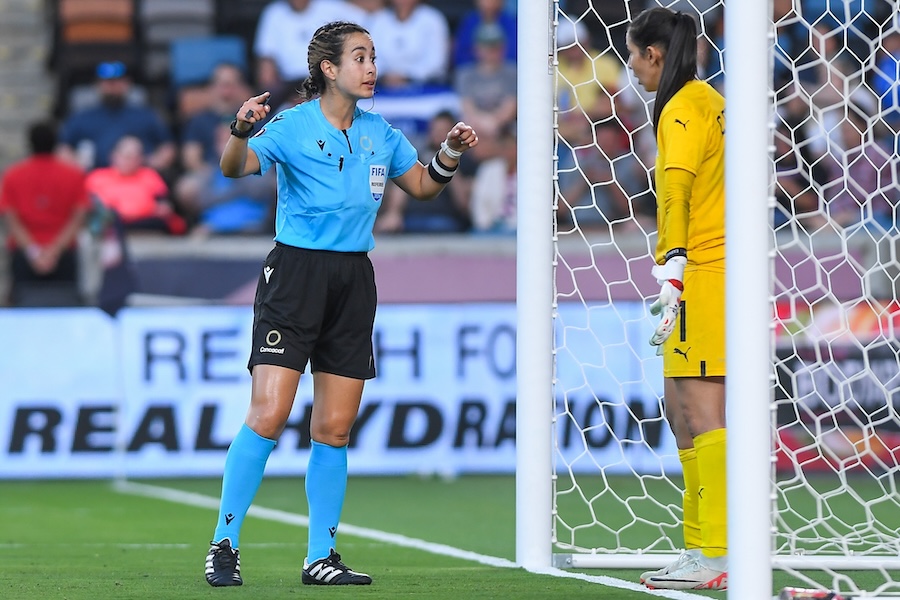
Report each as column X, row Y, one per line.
column 671, row 277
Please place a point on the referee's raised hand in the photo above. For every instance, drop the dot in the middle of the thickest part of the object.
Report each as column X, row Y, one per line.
column 461, row 137
column 255, row 109
column 236, row 160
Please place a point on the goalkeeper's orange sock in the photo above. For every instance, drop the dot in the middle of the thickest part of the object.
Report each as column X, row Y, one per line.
column 710, row 447
column 689, row 505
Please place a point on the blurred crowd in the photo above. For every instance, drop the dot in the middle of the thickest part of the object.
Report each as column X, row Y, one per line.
column 135, row 164
column 837, row 81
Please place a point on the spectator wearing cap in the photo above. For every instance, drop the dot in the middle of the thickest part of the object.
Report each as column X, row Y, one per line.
column 484, row 12
column 487, row 89
column 89, row 135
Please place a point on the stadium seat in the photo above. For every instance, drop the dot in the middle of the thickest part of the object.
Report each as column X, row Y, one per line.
column 194, row 59
column 163, row 21
column 95, row 21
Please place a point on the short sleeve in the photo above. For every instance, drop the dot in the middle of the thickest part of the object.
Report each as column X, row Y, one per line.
column 269, row 142
column 404, row 153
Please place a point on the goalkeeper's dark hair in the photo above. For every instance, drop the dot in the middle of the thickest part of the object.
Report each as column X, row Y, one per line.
column 326, row 44
column 675, row 34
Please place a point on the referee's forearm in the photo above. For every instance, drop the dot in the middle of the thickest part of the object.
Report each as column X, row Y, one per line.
column 234, row 157
column 438, row 174
column 430, row 188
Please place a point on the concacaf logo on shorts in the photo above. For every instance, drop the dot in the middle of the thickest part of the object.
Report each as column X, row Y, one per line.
column 377, row 179
column 273, row 338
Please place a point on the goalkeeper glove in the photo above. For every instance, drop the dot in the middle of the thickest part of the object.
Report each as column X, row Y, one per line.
column 671, row 277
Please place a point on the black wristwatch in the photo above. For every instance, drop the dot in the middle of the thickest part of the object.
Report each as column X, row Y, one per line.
column 243, row 135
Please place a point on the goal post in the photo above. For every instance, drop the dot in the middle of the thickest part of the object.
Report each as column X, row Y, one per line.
column 748, row 386
column 812, row 240
column 534, row 289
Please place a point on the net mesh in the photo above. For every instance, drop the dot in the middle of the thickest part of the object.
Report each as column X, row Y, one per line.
column 836, row 365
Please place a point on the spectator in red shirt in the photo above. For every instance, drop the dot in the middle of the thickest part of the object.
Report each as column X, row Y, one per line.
column 44, row 202
column 136, row 192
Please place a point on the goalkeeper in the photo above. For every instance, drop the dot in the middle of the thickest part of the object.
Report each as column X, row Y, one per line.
column 689, row 122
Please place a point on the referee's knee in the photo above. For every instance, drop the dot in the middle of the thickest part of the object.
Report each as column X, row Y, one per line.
column 330, row 437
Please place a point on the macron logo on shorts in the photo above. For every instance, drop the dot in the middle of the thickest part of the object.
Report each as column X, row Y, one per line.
column 267, row 272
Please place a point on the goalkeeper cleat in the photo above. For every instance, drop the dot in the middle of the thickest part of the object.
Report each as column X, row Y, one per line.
column 331, row 571
column 679, row 562
column 223, row 564
column 697, row 573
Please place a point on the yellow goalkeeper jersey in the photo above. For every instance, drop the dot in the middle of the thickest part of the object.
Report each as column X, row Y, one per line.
column 691, row 136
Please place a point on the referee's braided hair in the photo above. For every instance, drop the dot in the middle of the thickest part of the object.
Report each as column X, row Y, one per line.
column 327, row 44
column 675, row 33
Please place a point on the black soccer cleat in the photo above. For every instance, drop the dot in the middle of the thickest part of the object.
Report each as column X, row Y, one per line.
column 331, row 571
column 223, row 564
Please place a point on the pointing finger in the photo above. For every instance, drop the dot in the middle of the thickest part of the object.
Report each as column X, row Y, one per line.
column 262, row 99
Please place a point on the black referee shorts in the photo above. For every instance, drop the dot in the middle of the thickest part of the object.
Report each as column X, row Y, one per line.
column 317, row 307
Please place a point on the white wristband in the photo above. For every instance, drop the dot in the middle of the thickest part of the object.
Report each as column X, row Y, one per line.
column 673, row 269
column 450, row 152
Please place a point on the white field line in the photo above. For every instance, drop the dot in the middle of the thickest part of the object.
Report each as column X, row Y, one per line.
column 280, row 516
column 124, row 546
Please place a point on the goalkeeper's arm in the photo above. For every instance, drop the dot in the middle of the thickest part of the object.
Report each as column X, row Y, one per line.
column 670, row 275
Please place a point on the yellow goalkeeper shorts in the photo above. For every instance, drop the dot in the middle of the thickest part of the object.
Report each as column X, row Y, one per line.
column 697, row 346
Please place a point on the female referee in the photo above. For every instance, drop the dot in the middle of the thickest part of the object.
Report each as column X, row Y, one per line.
column 315, row 300
column 689, row 121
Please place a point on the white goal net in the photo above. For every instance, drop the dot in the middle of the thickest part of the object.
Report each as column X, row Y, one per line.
column 835, row 275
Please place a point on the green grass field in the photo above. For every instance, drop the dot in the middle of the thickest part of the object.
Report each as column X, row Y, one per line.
column 91, row 540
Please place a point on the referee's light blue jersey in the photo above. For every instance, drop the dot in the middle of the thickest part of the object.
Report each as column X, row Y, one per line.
column 330, row 182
